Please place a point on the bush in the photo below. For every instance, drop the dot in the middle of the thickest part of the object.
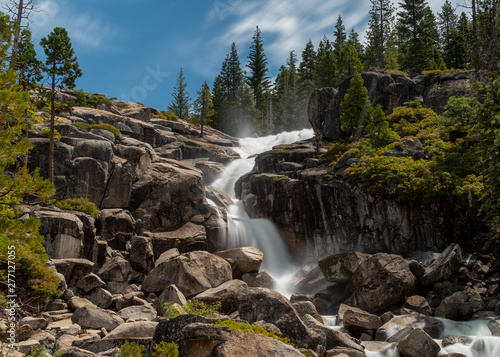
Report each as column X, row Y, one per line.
column 165, row 349
column 107, row 127
column 96, row 100
column 46, row 134
column 81, row 125
column 193, row 308
column 79, row 204
column 244, row 327
column 169, row 115
column 130, row 349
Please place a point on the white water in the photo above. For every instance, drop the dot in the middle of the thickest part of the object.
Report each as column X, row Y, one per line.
column 482, row 345
column 259, row 233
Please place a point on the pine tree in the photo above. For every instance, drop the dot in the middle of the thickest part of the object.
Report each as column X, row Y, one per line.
column 62, row 67
column 377, row 127
column 180, row 104
column 354, row 39
column 340, row 36
column 379, row 29
column 258, row 78
column 325, row 66
column 348, row 61
column 203, row 106
column 306, row 80
column 27, row 65
column 418, row 36
column 447, row 20
column 16, row 183
column 356, row 108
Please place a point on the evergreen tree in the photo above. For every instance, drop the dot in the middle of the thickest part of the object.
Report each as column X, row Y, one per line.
column 487, row 30
column 180, row 104
column 232, row 98
column 447, row 20
column 325, row 65
column 379, row 28
column 306, row 80
column 377, row 127
column 16, row 183
column 62, row 67
column 203, row 106
column 348, row 61
column 258, row 79
column 456, row 49
column 354, row 39
column 27, row 65
column 418, row 36
column 340, row 36
column 356, row 108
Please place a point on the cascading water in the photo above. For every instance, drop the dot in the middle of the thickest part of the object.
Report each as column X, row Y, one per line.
column 259, row 233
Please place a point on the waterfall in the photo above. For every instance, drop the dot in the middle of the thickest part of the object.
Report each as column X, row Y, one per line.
column 259, row 233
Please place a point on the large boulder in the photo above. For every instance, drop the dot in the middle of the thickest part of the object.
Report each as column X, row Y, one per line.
column 63, row 232
column 94, row 317
column 117, row 227
column 444, row 266
column 430, row 325
column 187, row 238
column 192, row 273
column 168, row 195
column 73, row 269
column 141, row 254
column 117, row 269
column 418, row 344
column 381, row 281
column 247, row 259
column 133, row 330
column 340, row 267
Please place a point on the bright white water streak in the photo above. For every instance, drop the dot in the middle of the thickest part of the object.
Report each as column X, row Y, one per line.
column 259, row 233
column 482, row 345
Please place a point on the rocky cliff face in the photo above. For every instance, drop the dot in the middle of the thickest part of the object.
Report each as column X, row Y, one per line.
column 318, row 213
column 388, row 90
column 146, row 182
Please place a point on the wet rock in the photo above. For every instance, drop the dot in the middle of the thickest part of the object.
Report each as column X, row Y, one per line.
column 451, row 340
column 418, row 344
column 444, row 266
column 358, row 321
column 456, row 307
column 340, row 267
column 419, row 304
column 260, row 279
column 380, row 281
column 247, row 259
column 430, row 325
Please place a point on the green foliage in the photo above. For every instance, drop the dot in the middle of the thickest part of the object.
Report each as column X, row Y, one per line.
column 79, row 204
column 355, row 107
column 130, row 349
column 168, row 115
column 377, row 128
column 279, row 178
column 196, row 307
column 244, row 327
column 203, row 107
column 96, row 100
column 107, row 127
column 180, row 104
column 165, row 349
column 459, row 110
column 416, row 104
column 46, row 133
column 81, row 125
column 81, row 99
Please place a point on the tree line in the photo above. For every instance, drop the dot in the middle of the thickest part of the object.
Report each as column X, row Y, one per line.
column 409, row 38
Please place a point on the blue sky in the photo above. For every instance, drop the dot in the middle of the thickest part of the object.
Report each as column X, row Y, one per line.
column 133, row 49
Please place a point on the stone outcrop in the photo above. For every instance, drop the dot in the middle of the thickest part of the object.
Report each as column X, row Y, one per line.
column 319, row 213
column 388, row 90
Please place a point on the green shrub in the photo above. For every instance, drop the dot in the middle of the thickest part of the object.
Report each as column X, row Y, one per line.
column 196, row 307
column 96, row 100
column 46, row 134
column 169, row 115
column 165, row 349
column 130, row 349
column 81, row 125
column 79, row 204
column 107, row 127
column 244, row 327
column 81, row 99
